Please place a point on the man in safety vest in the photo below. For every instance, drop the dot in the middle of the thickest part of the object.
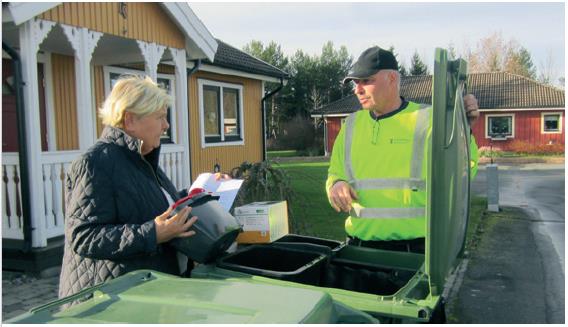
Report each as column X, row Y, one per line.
column 378, row 165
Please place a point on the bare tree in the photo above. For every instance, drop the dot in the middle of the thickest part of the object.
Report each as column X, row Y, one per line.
column 495, row 54
column 547, row 73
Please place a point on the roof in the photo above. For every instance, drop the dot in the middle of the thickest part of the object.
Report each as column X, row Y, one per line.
column 199, row 41
column 497, row 91
column 228, row 56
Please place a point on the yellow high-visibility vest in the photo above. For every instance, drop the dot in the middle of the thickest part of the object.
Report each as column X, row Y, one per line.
column 384, row 160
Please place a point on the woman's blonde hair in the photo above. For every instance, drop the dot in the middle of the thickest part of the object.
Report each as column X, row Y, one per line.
column 136, row 94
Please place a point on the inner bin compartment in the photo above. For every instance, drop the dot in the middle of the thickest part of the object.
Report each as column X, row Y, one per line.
column 294, row 238
column 281, row 262
column 370, row 270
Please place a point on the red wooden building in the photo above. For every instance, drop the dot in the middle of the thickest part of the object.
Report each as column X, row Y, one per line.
column 514, row 109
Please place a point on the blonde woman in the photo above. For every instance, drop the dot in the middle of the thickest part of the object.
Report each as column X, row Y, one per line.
column 117, row 198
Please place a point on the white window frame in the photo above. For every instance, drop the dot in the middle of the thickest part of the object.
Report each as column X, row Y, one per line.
column 512, row 136
column 204, row 82
column 107, row 70
column 559, row 114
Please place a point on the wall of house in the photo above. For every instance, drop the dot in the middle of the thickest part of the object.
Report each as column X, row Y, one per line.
column 203, row 159
column 144, row 21
column 528, row 125
column 333, row 126
column 64, row 101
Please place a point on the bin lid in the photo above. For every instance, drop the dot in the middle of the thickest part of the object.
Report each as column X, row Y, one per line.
column 150, row 297
column 448, row 175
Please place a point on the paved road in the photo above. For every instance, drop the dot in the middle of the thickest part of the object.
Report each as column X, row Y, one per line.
column 539, row 190
column 537, row 187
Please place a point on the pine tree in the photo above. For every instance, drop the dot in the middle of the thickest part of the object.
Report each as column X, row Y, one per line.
column 401, row 69
column 417, row 66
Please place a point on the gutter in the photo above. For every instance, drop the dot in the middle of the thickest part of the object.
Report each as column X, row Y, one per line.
column 196, row 65
column 22, row 146
column 262, row 108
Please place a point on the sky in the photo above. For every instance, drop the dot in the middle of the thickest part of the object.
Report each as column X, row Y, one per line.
column 409, row 27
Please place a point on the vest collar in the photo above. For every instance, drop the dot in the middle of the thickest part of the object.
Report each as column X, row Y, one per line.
column 403, row 106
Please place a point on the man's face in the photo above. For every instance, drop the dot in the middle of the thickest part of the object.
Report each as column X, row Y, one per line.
column 376, row 91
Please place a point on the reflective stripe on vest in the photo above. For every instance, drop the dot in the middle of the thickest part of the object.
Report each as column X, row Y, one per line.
column 387, row 213
column 415, row 182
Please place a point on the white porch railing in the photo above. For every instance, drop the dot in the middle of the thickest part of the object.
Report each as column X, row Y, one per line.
column 12, row 220
column 171, row 163
column 54, row 168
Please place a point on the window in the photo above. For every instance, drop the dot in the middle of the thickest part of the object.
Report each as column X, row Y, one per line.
column 112, row 74
column 551, row 123
column 500, row 126
column 221, row 112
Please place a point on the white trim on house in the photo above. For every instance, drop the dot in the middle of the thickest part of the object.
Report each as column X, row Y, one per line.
column 19, row 12
column 233, row 72
column 512, row 136
column 200, row 43
column 521, row 109
column 202, row 82
column 107, row 70
column 542, row 114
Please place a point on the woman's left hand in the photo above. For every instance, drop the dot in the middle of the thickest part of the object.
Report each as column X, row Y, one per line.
column 221, row 176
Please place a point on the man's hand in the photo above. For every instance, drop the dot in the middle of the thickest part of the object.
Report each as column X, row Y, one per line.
column 176, row 226
column 471, row 108
column 341, row 196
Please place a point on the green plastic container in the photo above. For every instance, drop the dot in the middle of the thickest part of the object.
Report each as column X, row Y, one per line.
column 149, row 297
column 398, row 286
column 354, row 282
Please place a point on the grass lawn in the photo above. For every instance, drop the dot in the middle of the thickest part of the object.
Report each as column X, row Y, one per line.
column 311, row 209
column 282, row 154
column 314, row 215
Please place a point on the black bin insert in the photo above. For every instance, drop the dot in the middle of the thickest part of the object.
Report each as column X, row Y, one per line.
column 289, row 264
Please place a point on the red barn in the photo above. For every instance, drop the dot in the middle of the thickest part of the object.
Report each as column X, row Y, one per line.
column 515, row 110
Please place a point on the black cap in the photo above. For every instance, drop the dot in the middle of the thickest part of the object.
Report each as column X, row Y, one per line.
column 370, row 62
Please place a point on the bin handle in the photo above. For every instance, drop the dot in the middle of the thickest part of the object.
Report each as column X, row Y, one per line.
column 68, row 299
column 146, row 275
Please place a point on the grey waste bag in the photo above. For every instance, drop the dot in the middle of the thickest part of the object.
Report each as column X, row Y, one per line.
column 215, row 229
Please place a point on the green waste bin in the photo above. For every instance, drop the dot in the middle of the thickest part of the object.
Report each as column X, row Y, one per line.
column 150, row 297
column 406, row 287
column 354, row 283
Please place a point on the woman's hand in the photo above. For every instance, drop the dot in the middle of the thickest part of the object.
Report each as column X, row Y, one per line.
column 176, row 226
column 220, row 176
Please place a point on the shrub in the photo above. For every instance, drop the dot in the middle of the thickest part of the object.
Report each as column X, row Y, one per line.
column 264, row 182
column 297, row 133
column 539, row 149
column 493, row 152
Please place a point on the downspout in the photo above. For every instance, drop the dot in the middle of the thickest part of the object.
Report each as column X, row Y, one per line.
column 22, row 146
column 196, row 64
column 262, row 108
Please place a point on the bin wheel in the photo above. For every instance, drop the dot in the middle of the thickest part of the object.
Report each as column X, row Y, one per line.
column 439, row 314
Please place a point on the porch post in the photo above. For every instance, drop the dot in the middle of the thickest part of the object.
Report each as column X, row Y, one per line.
column 83, row 42
column 182, row 111
column 152, row 54
column 32, row 33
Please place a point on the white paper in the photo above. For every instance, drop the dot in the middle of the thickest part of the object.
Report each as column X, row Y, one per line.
column 226, row 189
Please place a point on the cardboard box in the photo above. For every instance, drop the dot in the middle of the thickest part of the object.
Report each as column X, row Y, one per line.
column 263, row 222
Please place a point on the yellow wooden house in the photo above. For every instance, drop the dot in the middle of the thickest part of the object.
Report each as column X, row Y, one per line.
column 59, row 61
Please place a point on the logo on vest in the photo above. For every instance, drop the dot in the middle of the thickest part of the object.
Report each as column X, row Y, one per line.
column 399, row 141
